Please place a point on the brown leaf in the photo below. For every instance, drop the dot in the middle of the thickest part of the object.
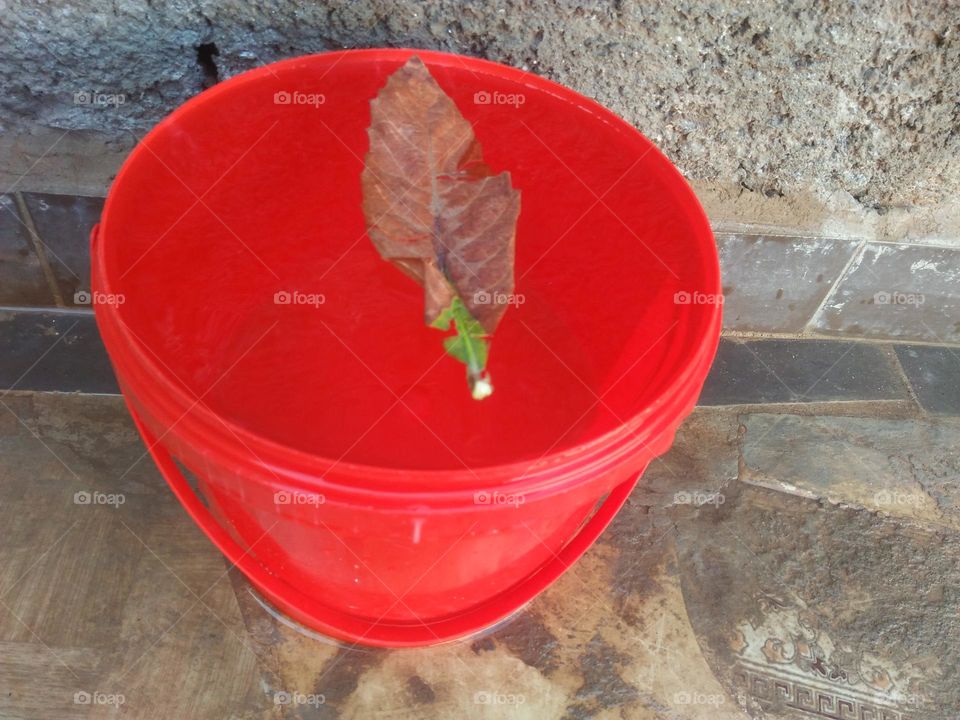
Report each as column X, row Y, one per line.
column 432, row 207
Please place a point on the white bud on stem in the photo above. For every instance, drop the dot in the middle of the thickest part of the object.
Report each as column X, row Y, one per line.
column 481, row 387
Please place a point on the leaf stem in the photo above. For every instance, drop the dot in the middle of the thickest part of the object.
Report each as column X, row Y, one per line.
column 477, row 377
column 469, row 345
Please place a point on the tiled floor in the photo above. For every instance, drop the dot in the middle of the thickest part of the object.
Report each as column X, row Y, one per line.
column 795, row 555
column 766, row 556
column 64, row 223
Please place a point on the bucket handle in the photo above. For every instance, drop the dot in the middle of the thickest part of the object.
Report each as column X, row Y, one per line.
column 288, row 597
column 201, row 515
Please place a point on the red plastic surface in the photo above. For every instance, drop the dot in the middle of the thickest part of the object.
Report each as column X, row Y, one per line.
column 349, row 405
column 316, row 613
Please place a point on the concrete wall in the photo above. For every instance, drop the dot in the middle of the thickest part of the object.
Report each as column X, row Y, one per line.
column 810, row 122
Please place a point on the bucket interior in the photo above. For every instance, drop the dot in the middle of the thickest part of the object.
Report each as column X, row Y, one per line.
column 237, row 198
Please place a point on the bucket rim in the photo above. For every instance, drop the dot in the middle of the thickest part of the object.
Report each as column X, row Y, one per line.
column 351, row 482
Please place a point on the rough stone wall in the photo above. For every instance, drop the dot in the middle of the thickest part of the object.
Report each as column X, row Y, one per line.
column 779, row 98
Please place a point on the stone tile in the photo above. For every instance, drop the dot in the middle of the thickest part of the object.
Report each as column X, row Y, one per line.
column 774, row 283
column 934, row 374
column 799, row 605
column 794, row 371
column 47, row 159
column 21, row 277
column 53, row 351
column 63, row 223
column 66, row 419
column 41, row 682
column 194, row 666
column 907, row 468
column 130, row 596
column 701, row 461
column 897, row 291
column 62, row 516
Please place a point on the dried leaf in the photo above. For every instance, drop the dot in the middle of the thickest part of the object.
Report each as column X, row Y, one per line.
column 434, row 209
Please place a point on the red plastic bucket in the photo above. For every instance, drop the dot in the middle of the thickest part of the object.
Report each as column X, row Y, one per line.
column 340, row 463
